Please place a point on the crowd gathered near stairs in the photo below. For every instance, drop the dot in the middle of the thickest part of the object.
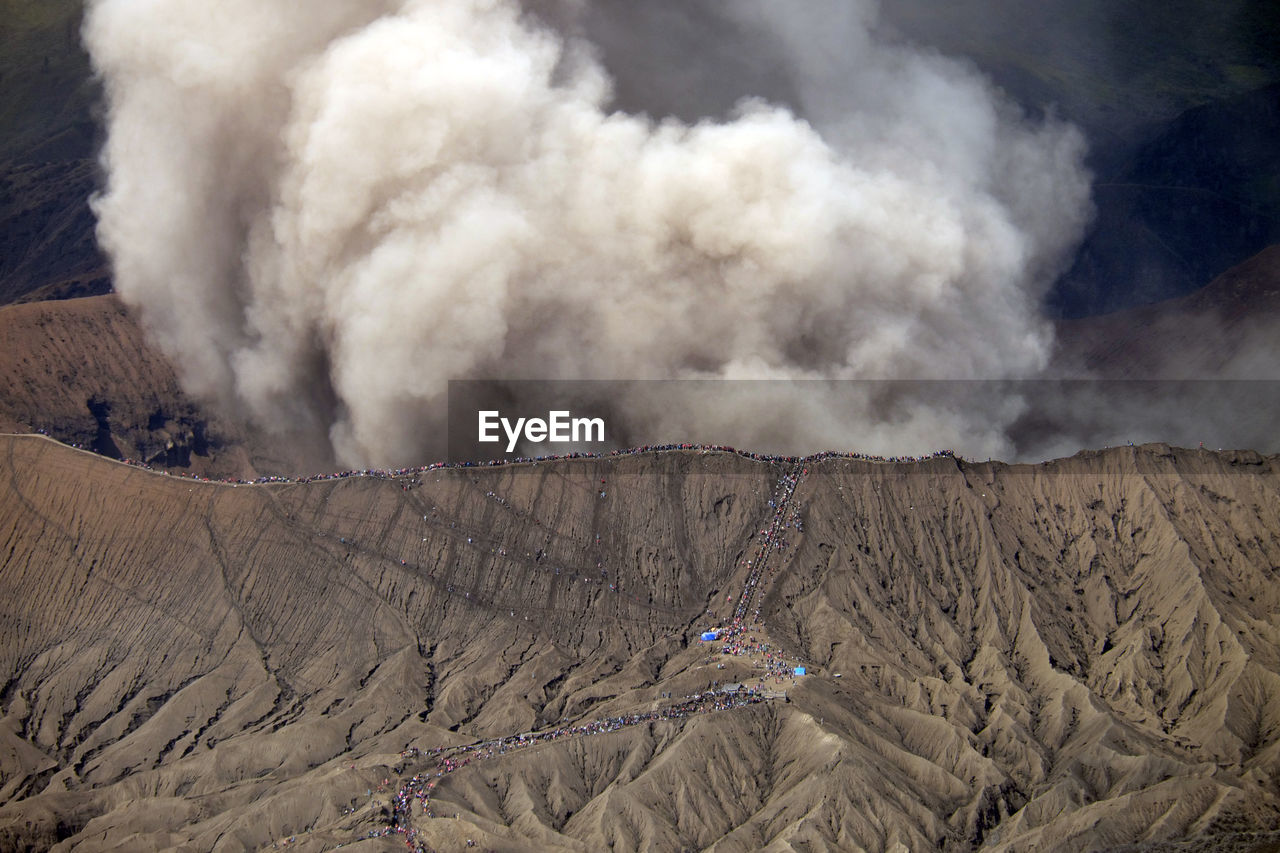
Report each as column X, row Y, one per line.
column 397, row 473
column 413, row 798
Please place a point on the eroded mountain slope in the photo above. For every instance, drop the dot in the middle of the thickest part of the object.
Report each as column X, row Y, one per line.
column 1075, row 655
column 1087, row 645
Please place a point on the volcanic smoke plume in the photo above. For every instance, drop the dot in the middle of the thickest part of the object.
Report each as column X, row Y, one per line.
column 325, row 211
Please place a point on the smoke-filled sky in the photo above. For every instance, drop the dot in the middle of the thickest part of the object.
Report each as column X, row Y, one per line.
column 324, row 211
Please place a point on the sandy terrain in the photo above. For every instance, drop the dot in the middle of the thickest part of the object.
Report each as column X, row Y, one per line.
column 1077, row 655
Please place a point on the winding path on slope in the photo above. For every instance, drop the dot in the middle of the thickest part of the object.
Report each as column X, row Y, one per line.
column 419, row 786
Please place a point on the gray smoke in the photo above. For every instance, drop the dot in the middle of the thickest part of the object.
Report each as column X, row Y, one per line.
column 325, row 211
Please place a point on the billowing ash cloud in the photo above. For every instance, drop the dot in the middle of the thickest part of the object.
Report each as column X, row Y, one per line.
column 324, row 211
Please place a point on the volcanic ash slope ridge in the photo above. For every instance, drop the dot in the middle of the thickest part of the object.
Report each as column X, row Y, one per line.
column 1076, row 655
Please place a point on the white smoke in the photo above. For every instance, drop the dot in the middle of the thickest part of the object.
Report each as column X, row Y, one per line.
column 325, row 211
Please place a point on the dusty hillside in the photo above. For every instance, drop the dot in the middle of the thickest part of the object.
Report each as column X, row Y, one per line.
column 1071, row 656
column 82, row 371
column 1226, row 329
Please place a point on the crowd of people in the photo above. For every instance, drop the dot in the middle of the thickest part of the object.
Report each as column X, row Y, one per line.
column 397, row 473
column 413, row 798
column 773, row 664
column 737, row 638
column 770, row 537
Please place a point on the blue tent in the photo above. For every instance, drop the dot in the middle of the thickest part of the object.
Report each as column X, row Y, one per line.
column 799, row 670
column 708, row 636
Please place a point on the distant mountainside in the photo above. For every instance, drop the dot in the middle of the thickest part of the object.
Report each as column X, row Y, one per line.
column 1119, row 70
column 1181, row 106
column 1227, row 330
column 1070, row 656
column 48, row 150
column 1201, row 195
column 82, row 371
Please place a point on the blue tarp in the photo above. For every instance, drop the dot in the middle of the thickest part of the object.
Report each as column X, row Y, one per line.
column 708, row 636
column 799, row 670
